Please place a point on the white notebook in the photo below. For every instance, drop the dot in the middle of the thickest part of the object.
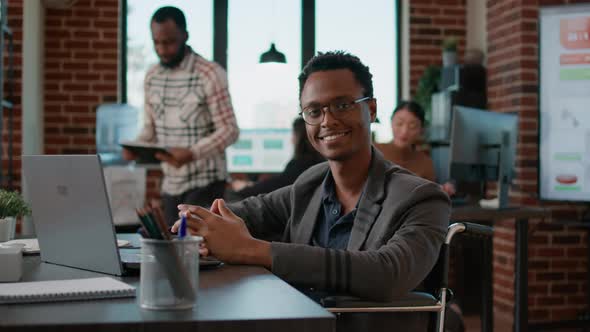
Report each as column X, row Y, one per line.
column 64, row 290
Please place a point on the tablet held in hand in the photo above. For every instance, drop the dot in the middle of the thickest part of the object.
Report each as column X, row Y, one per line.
column 145, row 152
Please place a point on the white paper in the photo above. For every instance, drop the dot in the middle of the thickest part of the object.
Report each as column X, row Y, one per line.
column 126, row 188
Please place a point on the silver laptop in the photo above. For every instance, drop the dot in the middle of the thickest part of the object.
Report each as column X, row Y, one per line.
column 72, row 215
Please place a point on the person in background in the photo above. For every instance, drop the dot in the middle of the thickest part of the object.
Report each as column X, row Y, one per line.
column 189, row 111
column 407, row 124
column 304, row 156
column 356, row 224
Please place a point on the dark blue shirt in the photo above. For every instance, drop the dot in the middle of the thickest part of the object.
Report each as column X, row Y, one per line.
column 332, row 230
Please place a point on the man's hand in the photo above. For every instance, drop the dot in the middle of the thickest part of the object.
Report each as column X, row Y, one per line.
column 176, row 157
column 128, row 155
column 225, row 234
column 238, row 185
column 449, row 188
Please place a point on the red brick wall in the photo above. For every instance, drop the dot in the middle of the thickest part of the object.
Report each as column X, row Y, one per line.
column 81, row 60
column 81, row 57
column 557, row 273
column 431, row 21
column 557, row 254
column 15, row 13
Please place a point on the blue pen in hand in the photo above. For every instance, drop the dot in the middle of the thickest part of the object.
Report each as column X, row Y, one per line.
column 182, row 228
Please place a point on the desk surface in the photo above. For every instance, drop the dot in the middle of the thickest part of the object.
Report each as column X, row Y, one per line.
column 243, row 298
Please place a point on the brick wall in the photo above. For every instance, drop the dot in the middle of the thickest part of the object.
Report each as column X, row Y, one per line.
column 430, row 22
column 81, row 61
column 15, row 13
column 81, row 57
column 557, row 273
column 557, row 253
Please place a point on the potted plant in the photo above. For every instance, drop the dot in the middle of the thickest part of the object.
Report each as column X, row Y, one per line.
column 449, row 47
column 427, row 86
column 12, row 206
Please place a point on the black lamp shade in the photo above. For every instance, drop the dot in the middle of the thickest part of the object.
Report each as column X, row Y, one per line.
column 272, row 55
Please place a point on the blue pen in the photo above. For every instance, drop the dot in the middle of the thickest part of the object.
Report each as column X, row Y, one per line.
column 182, row 229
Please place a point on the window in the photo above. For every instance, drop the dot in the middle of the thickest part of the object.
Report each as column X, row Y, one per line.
column 367, row 29
column 264, row 95
column 140, row 48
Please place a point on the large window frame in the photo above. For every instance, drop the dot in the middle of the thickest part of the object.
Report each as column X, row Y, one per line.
column 220, row 40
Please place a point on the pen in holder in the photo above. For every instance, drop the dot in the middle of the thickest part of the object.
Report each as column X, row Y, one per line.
column 169, row 268
column 169, row 273
column 182, row 228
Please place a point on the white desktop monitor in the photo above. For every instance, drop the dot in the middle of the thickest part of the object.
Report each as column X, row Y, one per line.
column 260, row 151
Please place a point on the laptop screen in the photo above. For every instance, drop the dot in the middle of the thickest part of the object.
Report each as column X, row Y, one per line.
column 71, row 211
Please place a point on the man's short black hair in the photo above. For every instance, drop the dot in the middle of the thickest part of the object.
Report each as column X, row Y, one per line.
column 170, row 13
column 338, row 60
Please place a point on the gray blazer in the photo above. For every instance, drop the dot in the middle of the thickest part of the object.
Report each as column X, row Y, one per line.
column 397, row 233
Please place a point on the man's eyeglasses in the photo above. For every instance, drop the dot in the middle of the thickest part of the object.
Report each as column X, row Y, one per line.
column 314, row 115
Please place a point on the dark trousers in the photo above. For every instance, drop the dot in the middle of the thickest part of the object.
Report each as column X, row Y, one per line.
column 203, row 196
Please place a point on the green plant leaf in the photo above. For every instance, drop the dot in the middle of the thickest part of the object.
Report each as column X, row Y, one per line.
column 450, row 44
column 12, row 204
column 427, row 85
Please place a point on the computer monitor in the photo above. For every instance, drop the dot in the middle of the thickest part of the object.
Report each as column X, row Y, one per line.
column 483, row 148
column 260, row 150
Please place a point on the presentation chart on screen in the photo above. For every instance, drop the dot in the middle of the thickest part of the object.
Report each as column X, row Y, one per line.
column 260, row 151
column 564, row 150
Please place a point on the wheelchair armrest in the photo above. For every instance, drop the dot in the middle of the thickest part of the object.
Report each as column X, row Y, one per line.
column 468, row 228
column 412, row 299
column 477, row 229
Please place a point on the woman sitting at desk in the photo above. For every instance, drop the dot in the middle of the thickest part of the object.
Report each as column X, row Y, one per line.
column 407, row 124
column 304, row 157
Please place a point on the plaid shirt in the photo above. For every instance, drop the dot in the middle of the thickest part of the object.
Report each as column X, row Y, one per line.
column 189, row 106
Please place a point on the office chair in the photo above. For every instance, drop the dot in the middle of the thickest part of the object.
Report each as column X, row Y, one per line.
column 435, row 297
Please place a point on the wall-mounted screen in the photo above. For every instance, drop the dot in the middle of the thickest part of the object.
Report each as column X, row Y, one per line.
column 564, row 100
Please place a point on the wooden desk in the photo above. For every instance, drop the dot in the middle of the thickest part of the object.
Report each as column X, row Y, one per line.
column 231, row 298
column 521, row 216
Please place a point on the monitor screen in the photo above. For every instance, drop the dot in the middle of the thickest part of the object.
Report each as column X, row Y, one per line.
column 260, row 151
column 564, row 120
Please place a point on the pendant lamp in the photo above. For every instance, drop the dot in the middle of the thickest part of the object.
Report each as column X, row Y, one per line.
column 272, row 55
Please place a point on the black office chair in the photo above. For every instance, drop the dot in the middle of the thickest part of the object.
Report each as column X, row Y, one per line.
column 435, row 297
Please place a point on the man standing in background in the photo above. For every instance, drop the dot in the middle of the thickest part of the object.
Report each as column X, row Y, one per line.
column 187, row 109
